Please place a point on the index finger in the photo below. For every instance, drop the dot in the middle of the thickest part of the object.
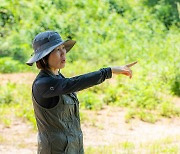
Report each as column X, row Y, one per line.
column 131, row 64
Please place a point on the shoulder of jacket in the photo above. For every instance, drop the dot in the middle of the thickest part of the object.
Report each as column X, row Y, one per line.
column 41, row 78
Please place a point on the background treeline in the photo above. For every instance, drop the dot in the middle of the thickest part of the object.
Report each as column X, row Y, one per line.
column 108, row 33
column 107, row 29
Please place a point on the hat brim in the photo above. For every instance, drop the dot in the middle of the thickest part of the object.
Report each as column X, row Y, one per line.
column 37, row 56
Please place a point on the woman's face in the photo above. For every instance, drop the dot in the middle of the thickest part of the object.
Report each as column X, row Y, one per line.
column 57, row 58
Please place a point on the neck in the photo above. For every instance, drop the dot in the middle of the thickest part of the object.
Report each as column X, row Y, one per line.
column 54, row 71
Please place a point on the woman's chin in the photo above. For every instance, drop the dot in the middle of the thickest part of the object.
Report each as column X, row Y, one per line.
column 62, row 65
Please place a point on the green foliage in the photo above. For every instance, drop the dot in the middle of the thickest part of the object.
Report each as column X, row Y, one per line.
column 175, row 87
column 142, row 114
column 6, row 17
column 169, row 110
column 24, row 108
column 7, row 94
column 108, row 33
column 90, row 101
column 166, row 11
column 118, row 6
column 16, row 99
column 106, row 26
column 112, row 96
column 8, row 65
column 147, row 116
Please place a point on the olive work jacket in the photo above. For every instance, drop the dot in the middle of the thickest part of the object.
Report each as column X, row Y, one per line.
column 59, row 130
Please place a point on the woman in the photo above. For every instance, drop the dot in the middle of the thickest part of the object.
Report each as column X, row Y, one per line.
column 56, row 105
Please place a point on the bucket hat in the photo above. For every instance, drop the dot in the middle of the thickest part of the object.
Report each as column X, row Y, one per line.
column 46, row 42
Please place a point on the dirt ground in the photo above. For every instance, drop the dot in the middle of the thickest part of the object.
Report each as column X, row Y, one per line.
column 106, row 127
column 17, row 78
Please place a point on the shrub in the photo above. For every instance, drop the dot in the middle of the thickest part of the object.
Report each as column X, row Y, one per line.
column 169, row 110
column 175, row 87
column 7, row 93
column 90, row 101
column 8, row 65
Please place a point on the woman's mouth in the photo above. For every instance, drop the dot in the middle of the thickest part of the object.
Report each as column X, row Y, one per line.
column 63, row 61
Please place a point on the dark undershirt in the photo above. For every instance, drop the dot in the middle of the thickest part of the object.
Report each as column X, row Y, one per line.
column 47, row 87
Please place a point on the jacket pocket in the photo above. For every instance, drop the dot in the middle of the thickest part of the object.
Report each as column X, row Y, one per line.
column 68, row 100
column 68, row 108
column 43, row 143
column 59, row 143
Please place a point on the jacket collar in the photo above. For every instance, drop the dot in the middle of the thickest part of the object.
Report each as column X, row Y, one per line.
column 52, row 74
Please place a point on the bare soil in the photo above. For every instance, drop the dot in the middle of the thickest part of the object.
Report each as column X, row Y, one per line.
column 106, row 127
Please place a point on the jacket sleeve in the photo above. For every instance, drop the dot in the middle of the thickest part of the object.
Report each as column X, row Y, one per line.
column 50, row 87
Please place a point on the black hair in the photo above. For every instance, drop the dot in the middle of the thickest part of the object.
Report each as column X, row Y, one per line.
column 43, row 63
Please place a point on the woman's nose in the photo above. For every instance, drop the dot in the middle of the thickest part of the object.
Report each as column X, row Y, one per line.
column 64, row 50
column 64, row 54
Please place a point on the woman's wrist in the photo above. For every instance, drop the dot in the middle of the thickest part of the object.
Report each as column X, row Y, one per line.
column 112, row 70
column 116, row 70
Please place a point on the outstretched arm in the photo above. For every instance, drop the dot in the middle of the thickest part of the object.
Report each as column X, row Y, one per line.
column 50, row 87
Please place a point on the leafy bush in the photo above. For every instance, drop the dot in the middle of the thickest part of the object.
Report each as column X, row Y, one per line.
column 8, row 65
column 111, row 96
column 108, row 33
column 169, row 110
column 7, row 94
column 176, row 85
column 165, row 10
column 100, row 27
column 89, row 100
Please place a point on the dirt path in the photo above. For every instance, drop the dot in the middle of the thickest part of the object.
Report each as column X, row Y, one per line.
column 105, row 127
column 19, row 138
column 111, row 127
column 17, row 77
